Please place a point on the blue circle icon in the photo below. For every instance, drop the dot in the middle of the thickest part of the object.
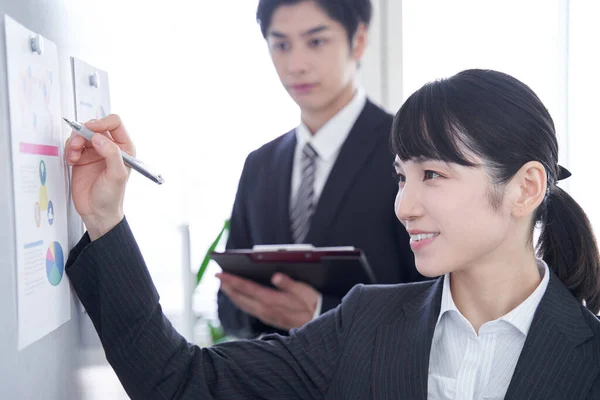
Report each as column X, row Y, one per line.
column 43, row 172
column 50, row 212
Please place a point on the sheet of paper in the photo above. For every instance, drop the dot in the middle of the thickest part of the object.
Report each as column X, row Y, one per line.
column 92, row 100
column 298, row 247
column 40, row 186
column 92, row 97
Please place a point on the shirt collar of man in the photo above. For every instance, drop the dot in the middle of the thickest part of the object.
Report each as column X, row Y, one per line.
column 328, row 140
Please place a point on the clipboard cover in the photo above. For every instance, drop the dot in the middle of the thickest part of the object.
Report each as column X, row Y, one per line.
column 331, row 272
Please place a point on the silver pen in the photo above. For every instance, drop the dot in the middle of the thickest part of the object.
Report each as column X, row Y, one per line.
column 127, row 159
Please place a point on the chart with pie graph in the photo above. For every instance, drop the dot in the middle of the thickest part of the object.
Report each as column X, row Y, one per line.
column 55, row 263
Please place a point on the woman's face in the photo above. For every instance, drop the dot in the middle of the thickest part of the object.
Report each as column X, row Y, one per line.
column 447, row 210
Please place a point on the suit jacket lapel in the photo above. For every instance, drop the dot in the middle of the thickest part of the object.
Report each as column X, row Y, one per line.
column 282, row 172
column 354, row 153
column 552, row 364
column 401, row 367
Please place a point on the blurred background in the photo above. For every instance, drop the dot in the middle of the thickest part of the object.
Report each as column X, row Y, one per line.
column 195, row 85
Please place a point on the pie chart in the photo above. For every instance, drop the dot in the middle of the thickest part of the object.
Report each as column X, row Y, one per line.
column 55, row 263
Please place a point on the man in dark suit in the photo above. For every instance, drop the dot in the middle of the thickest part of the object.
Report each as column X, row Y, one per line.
column 326, row 182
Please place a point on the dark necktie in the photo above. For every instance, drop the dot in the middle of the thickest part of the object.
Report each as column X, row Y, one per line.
column 304, row 205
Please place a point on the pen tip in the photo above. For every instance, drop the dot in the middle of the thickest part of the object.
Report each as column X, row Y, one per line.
column 72, row 124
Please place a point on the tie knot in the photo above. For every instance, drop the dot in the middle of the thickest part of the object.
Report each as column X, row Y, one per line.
column 309, row 152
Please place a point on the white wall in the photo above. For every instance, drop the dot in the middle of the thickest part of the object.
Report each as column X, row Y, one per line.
column 381, row 69
column 584, row 106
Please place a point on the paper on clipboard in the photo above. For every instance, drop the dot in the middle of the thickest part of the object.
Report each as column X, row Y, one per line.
column 298, row 247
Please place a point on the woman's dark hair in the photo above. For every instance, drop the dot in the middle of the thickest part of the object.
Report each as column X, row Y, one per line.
column 499, row 119
column 347, row 12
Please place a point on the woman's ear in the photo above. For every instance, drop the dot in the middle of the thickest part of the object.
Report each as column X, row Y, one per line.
column 529, row 185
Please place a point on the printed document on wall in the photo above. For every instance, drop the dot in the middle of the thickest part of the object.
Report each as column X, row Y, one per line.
column 92, row 97
column 92, row 101
column 40, row 186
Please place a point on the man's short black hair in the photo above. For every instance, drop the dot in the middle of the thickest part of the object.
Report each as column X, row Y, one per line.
column 347, row 12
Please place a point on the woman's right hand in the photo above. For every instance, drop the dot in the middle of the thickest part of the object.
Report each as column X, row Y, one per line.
column 99, row 175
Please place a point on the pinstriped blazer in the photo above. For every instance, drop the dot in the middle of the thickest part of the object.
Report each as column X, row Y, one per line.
column 375, row 345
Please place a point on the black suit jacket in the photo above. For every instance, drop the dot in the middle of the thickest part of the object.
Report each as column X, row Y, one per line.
column 375, row 345
column 356, row 208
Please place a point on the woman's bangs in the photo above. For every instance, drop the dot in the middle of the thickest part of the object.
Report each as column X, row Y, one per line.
column 425, row 129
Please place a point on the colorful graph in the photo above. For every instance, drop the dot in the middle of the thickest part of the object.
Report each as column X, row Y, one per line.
column 55, row 263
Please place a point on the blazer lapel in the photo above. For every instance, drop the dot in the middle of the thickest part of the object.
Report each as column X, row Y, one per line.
column 282, row 172
column 354, row 153
column 552, row 364
column 401, row 366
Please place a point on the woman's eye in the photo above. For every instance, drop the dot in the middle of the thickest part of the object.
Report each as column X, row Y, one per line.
column 400, row 178
column 431, row 175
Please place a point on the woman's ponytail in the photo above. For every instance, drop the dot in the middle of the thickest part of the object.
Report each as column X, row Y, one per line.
column 568, row 245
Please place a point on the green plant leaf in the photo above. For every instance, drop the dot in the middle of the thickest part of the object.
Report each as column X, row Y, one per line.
column 216, row 333
column 212, row 248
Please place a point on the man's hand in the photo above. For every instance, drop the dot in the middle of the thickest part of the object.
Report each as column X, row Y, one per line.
column 99, row 174
column 292, row 306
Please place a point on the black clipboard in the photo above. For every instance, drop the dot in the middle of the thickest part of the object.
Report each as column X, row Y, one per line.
column 331, row 272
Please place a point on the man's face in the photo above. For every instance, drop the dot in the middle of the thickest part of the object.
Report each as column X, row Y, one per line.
column 312, row 55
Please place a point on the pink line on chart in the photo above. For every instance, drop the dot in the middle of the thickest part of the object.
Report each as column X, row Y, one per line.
column 39, row 149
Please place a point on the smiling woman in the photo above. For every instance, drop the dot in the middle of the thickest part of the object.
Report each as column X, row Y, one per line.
column 499, row 319
column 480, row 185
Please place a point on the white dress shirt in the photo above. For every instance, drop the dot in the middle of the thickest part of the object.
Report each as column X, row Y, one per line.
column 327, row 142
column 464, row 365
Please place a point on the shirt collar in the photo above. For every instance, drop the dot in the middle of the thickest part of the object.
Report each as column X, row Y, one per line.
column 447, row 300
column 520, row 317
column 328, row 140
